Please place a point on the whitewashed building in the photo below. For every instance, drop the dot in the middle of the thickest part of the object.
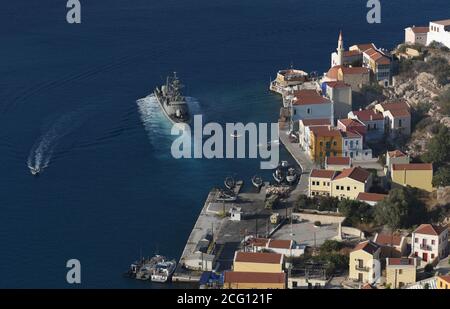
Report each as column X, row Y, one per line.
column 416, row 35
column 429, row 242
column 439, row 32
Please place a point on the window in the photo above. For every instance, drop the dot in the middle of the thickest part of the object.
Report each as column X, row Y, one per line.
column 313, row 183
column 334, row 143
column 324, row 183
column 348, row 188
column 328, row 144
column 321, row 144
column 432, row 255
column 328, row 153
column 335, row 153
column 357, row 143
column 328, row 184
column 432, row 241
column 294, row 284
column 374, row 126
column 400, row 271
column 308, row 111
column 399, row 122
column 416, row 240
column 342, row 187
column 346, row 142
column 337, row 187
column 295, row 112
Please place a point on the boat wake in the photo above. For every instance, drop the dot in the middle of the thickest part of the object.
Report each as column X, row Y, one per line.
column 42, row 151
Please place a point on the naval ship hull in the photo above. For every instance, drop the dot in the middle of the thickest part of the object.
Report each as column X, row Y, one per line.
column 169, row 110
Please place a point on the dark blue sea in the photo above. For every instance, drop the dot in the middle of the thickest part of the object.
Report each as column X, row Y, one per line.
column 110, row 189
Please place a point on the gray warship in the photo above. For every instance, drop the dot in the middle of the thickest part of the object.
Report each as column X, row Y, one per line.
column 172, row 102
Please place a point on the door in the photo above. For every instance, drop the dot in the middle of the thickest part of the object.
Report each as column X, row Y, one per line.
column 360, row 277
column 425, row 256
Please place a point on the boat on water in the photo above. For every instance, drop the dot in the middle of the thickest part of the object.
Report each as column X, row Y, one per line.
column 142, row 269
column 163, row 271
column 291, row 175
column 278, row 175
column 172, row 102
column 257, row 181
column 230, row 183
column 35, row 171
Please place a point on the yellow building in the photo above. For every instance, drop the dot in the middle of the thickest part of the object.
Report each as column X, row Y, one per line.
column 254, row 280
column 320, row 182
column 364, row 263
column 400, row 271
column 324, row 142
column 417, row 175
column 350, row 182
column 443, row 282
column 258, row 262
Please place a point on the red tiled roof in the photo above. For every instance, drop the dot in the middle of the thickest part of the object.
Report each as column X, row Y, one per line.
column 316, row 122
column 395, row 105
column 368, row 246
column 376, row 56
column 350, row 53
column 280, row 244
column 349, row 134
column 446, row 278
column 307, row 97
column 351, row 122
column 367, row 286
column 253, row 277
column 333, row 72
column 445, row 22
column 388, row 240
column 325, row 131
column 396, row 154
column 355, row 173
column 322, row 173
column 258, row 257
column 400, row 113
column 354, row 70
column 371, row 197
column 420, row 29
column 338, row 84
column 412, row 167
column 364, row 47
column 259, row 242
column 338, row 161
column 430, row 229
column 368, row 115
column 400, row 262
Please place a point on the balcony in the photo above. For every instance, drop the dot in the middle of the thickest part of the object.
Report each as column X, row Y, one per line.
column 426, row 247
column 362, row 268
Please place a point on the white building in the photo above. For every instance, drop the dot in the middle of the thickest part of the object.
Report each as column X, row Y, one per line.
column 352, row 146
column 416, row 35
column 439, row 32
column 288, row 248
column 310, row 104
column 429, row 242
column 341, row 95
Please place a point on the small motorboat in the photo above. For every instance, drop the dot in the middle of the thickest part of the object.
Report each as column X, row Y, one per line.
column 225, row 196
column 35, row 171
column 278, row 175
column 162, row 272
column 230, row 183
column 291, row 176
column 257, row 181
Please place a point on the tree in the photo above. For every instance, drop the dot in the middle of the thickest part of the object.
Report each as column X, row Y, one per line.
column 438, row 148
column 400, row 209
column 331, row 246
column 442, row 177
column 355, row 212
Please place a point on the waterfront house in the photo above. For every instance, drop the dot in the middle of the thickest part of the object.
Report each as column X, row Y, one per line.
column 362, row 47
column 400, row 272
column 254, row 280
column 439, row 31
column 397, row 118
column 350, row 182
column 429, row 243
column 310, row 104
column 393, row 246
column 370, row 198
column 352, row 146
column 352, row 125
column 320, row 182
column 373, row 120
column 304, row 132
column 443, row 282
column 341, row 95
column 364, row 263
column 288, row 248
column 379, row 64
column 263, row 262
column 338, row 163
column 417, row 175
column 416, row 35
column 396, row 157
column 324, row 142
column 356, row 77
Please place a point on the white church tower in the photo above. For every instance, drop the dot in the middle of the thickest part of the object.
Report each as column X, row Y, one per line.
column 340, row 50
